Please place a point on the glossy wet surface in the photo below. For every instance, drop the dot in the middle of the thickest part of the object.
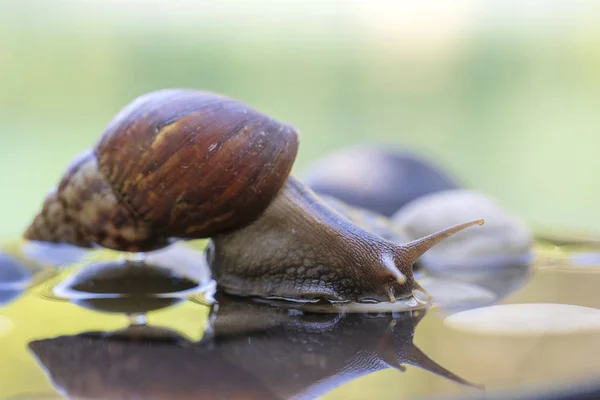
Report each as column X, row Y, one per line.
column 100, row 327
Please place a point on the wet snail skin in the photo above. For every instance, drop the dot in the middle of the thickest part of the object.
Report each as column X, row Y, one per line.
column 185, row 164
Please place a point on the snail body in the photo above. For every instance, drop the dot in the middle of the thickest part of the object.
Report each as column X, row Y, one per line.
column 184, row 164
column 318, row 253
column 369, row 220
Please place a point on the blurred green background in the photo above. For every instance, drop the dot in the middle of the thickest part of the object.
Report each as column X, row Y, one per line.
column 505, row 95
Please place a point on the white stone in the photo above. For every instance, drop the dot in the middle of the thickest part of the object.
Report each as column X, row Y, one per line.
column 526, row 319
column 502, row 240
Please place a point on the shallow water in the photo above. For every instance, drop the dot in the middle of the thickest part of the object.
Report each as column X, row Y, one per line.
column 99, row 327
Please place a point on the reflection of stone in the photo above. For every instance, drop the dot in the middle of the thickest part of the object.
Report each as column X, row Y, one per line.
column 250, row 350
column 127, row 304
column 15, row 275
column 128, row 278
column 452, row 294
column 125, row 287
column 461, row 290
column 12, row 271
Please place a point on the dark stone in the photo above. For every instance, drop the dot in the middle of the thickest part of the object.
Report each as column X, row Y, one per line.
column 377, row 178
column 12, row 272
column 14, row 276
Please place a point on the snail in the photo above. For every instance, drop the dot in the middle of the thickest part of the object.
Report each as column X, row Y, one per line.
column 186, row 164
column 377, row 178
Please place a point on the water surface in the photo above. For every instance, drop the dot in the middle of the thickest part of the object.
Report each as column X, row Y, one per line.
column 99, row 327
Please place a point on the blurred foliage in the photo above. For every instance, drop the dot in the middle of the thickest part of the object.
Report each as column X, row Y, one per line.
column 508, row 106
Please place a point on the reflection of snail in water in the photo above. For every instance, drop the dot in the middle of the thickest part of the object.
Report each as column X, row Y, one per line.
column 182, row 164
column 279, row 355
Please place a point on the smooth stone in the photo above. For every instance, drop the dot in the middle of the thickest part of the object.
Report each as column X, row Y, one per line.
column 133, row 305
column 12, row 272
column 15, row 275
column 53, row 254
column 8, row 294
column 503, row 241
column 376, row 178
column 501, row 282
column 131, row 287
column 126, row 278
column 451, row 294
column 526, row 319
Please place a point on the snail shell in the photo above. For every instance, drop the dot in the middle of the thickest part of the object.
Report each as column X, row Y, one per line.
column 172, row 164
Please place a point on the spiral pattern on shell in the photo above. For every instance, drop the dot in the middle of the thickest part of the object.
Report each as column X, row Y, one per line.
column 174, row 163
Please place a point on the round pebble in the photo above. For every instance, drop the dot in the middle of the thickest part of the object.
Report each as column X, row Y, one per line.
column 503, row 240
column 526, row 319
column 376, row 178
column 448, row 293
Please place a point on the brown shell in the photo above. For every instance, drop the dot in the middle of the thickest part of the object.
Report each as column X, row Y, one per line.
column 194, row 164
column 83, row 211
